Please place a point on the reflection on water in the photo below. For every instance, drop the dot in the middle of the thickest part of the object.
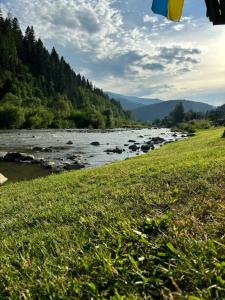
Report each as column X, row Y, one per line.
column 26, row 140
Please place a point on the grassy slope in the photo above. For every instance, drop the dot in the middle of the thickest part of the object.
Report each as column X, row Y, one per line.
column 150, row 227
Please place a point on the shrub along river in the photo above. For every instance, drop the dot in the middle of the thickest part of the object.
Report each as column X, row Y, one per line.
column 27, row 154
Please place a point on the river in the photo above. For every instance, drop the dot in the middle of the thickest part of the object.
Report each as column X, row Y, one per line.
column 67, row 143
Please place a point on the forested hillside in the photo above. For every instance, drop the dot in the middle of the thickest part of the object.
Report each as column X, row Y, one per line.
column 39, row 89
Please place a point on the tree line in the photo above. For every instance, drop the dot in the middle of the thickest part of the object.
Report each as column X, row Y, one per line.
column 192, row 120
column 39, row 89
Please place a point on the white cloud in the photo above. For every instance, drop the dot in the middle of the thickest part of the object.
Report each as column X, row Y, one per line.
column 150, row 19
column 178, row 27
column 117, row 52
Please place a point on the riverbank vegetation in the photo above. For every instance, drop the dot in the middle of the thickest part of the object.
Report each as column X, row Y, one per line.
column 191, row 121
column 39, row 89
column 150, row 227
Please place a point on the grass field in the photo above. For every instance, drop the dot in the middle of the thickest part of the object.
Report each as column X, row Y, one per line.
column 150, row 227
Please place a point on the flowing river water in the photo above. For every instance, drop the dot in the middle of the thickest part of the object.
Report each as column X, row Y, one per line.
column 66, row 143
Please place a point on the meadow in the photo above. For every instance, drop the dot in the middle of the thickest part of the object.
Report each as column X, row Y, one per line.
column 149, row 227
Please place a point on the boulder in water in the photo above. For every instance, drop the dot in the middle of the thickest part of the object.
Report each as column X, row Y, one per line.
column 18, row 157
column 134, row 147
column 95, row 144
column 158, row 140
column 145, row 148
column 117, row 150
column 74, row 167
column 48, row 164
column 2, row 155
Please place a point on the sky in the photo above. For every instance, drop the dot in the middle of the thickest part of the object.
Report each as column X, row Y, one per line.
column 122, row 47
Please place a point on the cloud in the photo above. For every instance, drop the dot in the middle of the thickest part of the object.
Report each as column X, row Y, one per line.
column 142, row 91
column 184, row 70
column 178, row 55
column 78, row 19
column 179, row 27
column 121, row 65
column 118, row 44
column 154, row 67
column 150, row 19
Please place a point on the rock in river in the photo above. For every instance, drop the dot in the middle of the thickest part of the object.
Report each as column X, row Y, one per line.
column 37, row 148
column 74, row 167
column 18, row 157
column 3, row 179
column 117, row 150
column 69, row 143
column 48, row 164
column 2, row 155
column 134, row 147
column 145, row 148
column 43, row 149
column 95, row 144
column 157, row 140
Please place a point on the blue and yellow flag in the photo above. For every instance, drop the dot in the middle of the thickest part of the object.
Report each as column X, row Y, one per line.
column 172, row 9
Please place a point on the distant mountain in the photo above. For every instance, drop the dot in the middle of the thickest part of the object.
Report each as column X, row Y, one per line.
column 131, row 102
column 161, row 110
column 221, row 109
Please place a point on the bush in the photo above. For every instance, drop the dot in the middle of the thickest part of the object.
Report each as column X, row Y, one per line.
column 62, row 123
column 39, row 118
column 61, row 107
column 31, row 102
column 88, row 119
column 194, row 125
column 11, row 116
column 11, row 99
column 80, row 119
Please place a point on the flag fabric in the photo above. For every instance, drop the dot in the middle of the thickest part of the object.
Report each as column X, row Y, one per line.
column 175, row 8
column 172, row 9
column 160, row 7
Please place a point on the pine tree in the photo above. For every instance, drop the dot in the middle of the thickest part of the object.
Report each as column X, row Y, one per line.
column 45, row 86
column 178, row 114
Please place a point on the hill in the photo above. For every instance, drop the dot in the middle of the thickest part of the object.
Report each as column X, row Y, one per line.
column 221, row 109
column 156, row 234
column 39, row 89
column 161, row 110
column 217, row 116
column 131, row 102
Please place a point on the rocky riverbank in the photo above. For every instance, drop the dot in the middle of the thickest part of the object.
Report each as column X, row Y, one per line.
column 65, row 151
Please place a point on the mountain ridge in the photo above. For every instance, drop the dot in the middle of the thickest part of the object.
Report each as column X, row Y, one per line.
column 151, row 112
column 132, row 102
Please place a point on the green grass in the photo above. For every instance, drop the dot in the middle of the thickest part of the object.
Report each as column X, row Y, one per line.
column 151, row 227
